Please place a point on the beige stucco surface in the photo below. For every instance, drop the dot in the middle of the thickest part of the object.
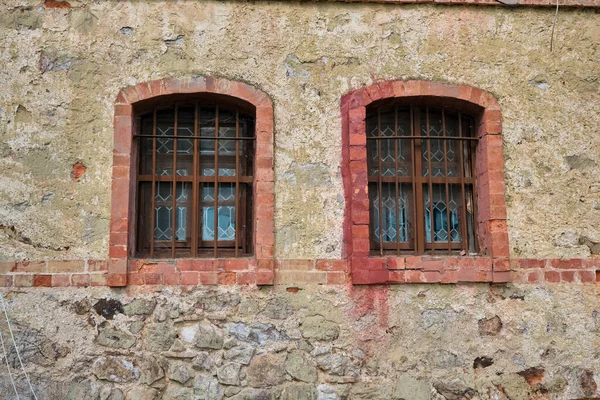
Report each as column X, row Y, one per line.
column 61, row 69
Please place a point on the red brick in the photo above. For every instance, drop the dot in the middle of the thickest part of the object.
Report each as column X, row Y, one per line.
column 42, row 280
column 413, row 276
column 226, row 278
column 501, row 276
column 432, row 265
column 295, row 265
column 535, row 276
column 432, row 276
column 7, row 266
column 574, row 263
column 97, row 265
column 195, row 265
column 116, row 279
column 358, row 153
column 264, row 277
column 165, row 268
column 57, row 4
column 208, row 278
column 336, row 278
column 587, row 276
column 29, row 266
column 152, row 279
column 134, row 279
column 246, row 278
column 231, row 265
column 117, row 251
column 396, row 276
column 98, row 279
column 332, row 265
column 189, row 278
column 22, row 280
column 567, row 276
column 552, row 276
column 6, row 280
column 530, row 263
column 266, row 264
column 171, row 278
column 448, row 276
column 360, row 231
column 300, row 277
column 414, row 262
column 501, row 264
column 80, row 279
column 395, row 263
column 65, row 266
column 377, row 264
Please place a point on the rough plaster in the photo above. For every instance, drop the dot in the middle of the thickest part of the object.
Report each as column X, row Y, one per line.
column 62, row 68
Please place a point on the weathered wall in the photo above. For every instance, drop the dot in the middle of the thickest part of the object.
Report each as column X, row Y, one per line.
column 412, row 342
column 61, row 69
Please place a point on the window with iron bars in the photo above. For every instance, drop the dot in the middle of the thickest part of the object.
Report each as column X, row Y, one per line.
column 421, row 172
column 194, row 180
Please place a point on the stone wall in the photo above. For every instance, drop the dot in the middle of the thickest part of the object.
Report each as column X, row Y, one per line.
column 404, row 342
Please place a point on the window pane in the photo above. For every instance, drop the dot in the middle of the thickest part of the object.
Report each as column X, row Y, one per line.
column 395, row 215
column 439, row 224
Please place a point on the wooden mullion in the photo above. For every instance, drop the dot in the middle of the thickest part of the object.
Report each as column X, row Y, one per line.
column 473, row 191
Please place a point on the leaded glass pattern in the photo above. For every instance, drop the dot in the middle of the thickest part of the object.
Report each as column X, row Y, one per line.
column 442, row 209
column 393, row 216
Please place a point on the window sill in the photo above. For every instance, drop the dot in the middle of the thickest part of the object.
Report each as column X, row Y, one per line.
column 429, row 269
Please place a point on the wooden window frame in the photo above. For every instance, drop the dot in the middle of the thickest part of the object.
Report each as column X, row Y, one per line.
column 491, row 232
column 123, row 265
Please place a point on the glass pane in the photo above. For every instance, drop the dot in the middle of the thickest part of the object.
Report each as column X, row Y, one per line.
column 439, row 225
column 395, row 215
column 163, row 229
column 226, row 224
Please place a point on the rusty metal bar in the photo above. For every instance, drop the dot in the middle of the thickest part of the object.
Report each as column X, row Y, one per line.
column 396, row 181
column 446, row 183
column 379, row 183
column 418, row 215
column 195, row 200
column 237, row 180
column 429, row 175
column 153, row 200
column 216, row 189
column 174, row 188
column 463, row 220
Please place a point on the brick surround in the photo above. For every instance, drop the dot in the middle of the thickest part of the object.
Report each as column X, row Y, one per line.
column 491, row 206
column 259, row 269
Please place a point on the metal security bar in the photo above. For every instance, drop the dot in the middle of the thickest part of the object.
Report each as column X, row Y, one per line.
column 194, row 181
column 421, row 172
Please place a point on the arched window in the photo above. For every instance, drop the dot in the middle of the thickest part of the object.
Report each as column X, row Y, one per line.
column 195, row 157
column 421, row 172
column 193, row 181
column 424, row 184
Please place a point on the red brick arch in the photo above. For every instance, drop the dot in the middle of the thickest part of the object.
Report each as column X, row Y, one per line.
column 492, row 264
column 257, row 270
